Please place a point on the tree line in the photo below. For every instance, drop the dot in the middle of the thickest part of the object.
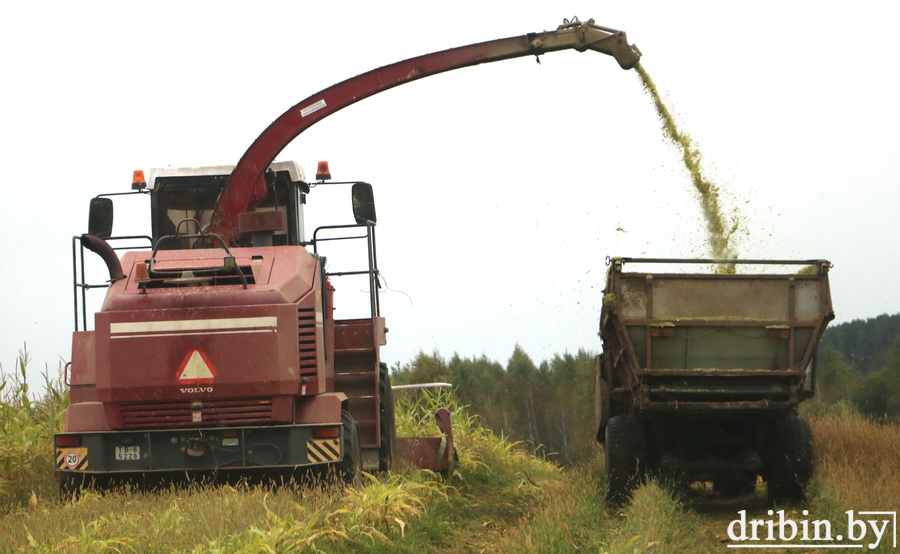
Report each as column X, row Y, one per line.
column 549, row 406
column 859, row 363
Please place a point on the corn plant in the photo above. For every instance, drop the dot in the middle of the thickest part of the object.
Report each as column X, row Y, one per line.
column 27, row 425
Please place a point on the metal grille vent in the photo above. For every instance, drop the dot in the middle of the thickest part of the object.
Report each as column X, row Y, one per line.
column 138, row 415
column 306, row 338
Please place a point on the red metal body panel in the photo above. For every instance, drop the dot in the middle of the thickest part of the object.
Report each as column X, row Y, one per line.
column 319, row 408
column 86, row 416
column 139, row 353
column 281, row 274
column 171, row 355
column 83, row 358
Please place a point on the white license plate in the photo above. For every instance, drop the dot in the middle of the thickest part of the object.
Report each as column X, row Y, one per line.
column 128, row 453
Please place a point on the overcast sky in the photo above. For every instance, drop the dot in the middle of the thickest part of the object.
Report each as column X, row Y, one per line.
column 500, row 188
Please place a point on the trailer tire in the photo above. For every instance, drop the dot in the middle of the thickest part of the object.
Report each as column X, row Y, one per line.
column 792, row 461
column 350, row 466
column 624, row 455
column 387, row 423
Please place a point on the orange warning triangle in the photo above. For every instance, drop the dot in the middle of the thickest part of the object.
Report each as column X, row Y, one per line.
column 196, row 368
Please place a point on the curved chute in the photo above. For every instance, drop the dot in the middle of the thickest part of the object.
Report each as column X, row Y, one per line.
column 247, row 184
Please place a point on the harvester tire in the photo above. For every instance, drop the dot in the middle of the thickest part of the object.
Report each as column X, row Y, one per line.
column 793, row 461
column 387, row 427
column 350, row 466
column 624, row 453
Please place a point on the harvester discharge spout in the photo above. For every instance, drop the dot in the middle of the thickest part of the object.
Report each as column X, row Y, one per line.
column 247, row 184
column 590, row 36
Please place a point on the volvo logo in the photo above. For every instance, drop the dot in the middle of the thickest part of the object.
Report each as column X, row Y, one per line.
column 195, row 390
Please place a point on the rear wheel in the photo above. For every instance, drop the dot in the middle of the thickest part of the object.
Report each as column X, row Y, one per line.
column 792, row 461
column 624, row 453
column 350, row 466
column 387, row 427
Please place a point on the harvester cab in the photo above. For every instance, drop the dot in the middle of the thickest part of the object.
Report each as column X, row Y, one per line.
column 184, row 201
column 188, row 196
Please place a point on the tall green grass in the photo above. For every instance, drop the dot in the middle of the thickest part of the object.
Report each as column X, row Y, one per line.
column 27, row 425
column 223, row 519
column 500, row 498
column 569, row 515
column 382, row 512
column 482, row 454
column 857, row 467
column 293, row 517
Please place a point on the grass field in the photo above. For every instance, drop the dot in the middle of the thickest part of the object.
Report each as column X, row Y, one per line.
column 501, row 499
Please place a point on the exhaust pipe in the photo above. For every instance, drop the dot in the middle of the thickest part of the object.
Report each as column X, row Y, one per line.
column 106, row 252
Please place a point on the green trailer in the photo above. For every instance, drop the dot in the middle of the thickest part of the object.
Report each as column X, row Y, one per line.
column 702, row 373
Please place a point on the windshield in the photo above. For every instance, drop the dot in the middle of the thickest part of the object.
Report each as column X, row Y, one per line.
column 193, row 197
column 185, row 197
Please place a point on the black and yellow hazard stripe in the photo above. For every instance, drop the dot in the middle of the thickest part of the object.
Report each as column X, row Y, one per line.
column 323, row 451
column 72, row 458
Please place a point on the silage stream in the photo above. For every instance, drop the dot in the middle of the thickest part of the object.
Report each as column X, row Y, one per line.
column 719, row 229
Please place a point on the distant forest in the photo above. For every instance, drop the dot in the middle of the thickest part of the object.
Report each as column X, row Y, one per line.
column 859, row 362
column 549, row 406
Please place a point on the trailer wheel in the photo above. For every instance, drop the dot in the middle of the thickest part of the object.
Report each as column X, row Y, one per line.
column 624, row 453
column 350, row 466
column 388, row 427
column 792, row 461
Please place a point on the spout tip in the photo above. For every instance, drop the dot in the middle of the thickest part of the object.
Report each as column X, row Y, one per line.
column 629, row 56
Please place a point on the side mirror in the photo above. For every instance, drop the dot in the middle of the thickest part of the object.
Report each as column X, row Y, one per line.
column 100, row 217
column 363, row 203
